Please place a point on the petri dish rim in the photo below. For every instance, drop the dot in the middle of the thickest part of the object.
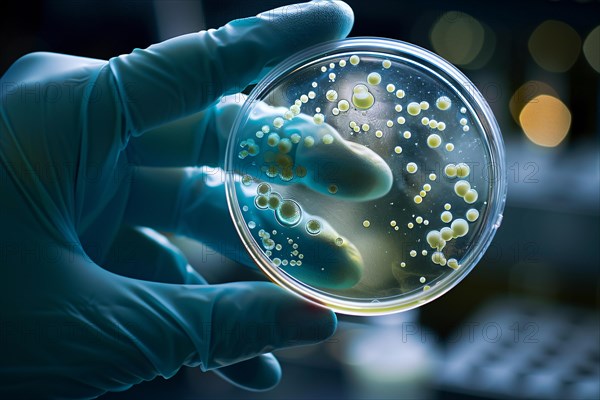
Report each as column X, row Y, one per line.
column 477, row 106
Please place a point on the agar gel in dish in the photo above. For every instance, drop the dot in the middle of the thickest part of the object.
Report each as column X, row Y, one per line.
column 366, row 175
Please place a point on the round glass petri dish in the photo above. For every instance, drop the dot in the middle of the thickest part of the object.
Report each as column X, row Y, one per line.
column 366, row 175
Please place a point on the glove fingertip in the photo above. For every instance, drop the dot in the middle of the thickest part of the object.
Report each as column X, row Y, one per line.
column 257, row 374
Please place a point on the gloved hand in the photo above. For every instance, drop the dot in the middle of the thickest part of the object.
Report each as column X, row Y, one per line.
column 90, row 151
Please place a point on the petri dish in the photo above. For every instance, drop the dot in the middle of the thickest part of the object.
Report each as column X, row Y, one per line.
column 366, row 175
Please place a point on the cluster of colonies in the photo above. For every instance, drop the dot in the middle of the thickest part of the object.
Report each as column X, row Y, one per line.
column 288, row 212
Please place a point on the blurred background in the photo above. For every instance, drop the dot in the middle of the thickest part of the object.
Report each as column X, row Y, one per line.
column 525, row 322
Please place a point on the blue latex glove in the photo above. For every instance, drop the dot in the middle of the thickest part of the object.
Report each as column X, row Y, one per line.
column 90, row 151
